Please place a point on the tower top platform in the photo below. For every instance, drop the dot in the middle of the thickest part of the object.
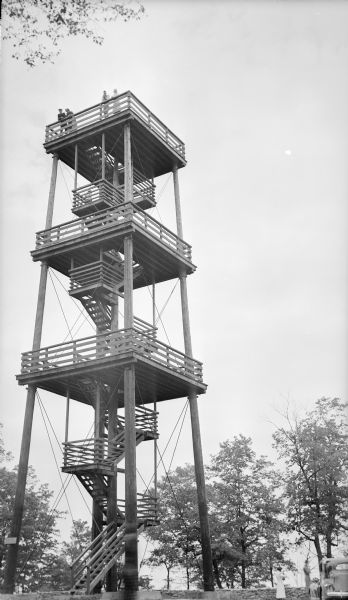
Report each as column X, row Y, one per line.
column 159, row 148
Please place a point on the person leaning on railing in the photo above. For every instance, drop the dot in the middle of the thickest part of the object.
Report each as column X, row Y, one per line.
column 105, row 106
column 71, row 119
column 61, row 119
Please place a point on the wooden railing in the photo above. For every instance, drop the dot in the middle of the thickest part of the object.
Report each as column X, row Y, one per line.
column 88, row 567
column 96, row 450
column 96, row 273
column 146, row 507
column 111, row 217
column 146, row 419
column 123, row 103
column 144, row 327
column 143, row 188
column 85, row 452
column 110, row 344
column 102, row 192
column 94, row 193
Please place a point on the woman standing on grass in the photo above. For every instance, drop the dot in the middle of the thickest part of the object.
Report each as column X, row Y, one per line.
column 280, row 589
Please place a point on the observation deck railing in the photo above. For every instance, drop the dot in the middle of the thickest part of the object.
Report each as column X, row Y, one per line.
column 111, row 217
column 123, row 103
column 110, row 344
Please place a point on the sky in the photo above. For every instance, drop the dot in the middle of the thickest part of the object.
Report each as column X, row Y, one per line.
column 258, row 92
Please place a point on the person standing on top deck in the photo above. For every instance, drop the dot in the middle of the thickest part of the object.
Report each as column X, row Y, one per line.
column 61, row 120
column 115, row 102
column 105, row 106
column 69, row 118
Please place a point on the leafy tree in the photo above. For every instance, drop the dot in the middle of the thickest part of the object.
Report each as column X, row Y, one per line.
column 36, row 28
column 164, row 553
column 315, row 452
column 38, row 543
column 4, row 456
column 245, row 519
column 246, row 515
column 57, row 576
column 80, row 538
column 177, row 538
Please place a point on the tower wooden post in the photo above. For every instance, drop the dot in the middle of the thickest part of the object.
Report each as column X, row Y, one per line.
column 131, row 544
column 11, row 563
column 208, row 576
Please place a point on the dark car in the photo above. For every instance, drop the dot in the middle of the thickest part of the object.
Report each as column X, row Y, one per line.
column 334, row 578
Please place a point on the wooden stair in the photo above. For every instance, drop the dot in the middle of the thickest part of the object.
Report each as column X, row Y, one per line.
column 96, row 560
column 99, row 312
column 117, row 452
column 94, row 155
column 96, row 485
column 98, row 302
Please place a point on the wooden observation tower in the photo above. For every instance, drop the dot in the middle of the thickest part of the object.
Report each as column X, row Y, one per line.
column 110, row 249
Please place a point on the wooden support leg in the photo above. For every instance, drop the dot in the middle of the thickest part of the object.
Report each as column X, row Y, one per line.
column 97, row 512
column 10, row 571
column 11, row 563
column 208, row 577
column 131, row 544
column 111, row 578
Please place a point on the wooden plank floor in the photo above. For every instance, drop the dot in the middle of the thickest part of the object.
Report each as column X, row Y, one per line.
column 159, row 259
column 154, row 382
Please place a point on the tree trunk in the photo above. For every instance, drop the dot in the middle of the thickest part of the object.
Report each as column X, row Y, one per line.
column 243, row 548
column 243, row 575
column 216, row 573
column 271, row 573
column 168, row 577
column 318, row 548
column 328, row 545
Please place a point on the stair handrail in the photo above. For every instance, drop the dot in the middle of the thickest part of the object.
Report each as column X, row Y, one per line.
column 118, row 534
column 99, row 538
column 86, row 560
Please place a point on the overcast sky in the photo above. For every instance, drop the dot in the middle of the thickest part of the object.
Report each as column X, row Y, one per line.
column 258, row 92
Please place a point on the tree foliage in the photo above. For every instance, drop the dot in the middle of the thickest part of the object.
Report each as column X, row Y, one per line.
column 80, row 538
column 38, row 542
column 314, row 449
column 246, row 515
column 245, row 519
column 36, row 28
column 164, row 553
column 177, row 538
